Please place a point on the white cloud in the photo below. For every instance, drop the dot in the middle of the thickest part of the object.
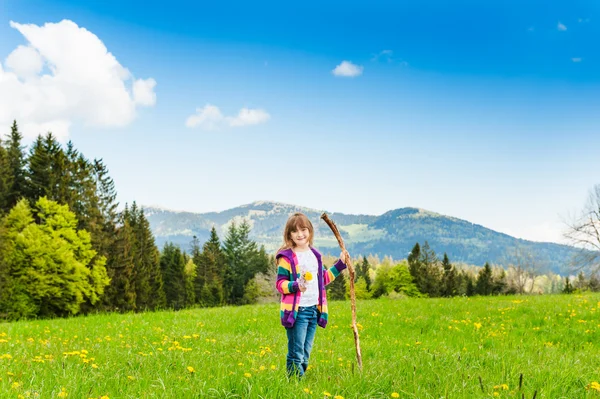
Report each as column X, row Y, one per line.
column 348, row 69
column 143, row 92
column 66, row 75
column 210, row 118
column 386, row 55
column 250, row 117
column 576, row 59
column 561, row 27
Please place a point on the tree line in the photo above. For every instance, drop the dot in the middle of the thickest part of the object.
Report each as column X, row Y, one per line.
column 66, row 249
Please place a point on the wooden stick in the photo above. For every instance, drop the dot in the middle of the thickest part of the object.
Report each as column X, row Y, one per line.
column 348, row 262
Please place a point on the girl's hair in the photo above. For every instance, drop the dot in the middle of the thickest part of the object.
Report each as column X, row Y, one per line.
column 296, row 222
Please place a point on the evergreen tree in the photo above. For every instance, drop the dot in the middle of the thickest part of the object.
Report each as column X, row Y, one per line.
column 244, row 261
column 568, row 287
column 416, row 268
column 172, row 265
column 362, row 271
column 469, row 284
column 337, row 289
column 450, row 284
column 485, row 281
column 499, row 283
column 211, row 265
column 431, row 272
column 16, row 181
column 121, row 295
column 4, row 180
column 149, row 287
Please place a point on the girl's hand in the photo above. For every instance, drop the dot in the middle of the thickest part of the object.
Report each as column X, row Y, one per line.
column 301, row 287
column 344, row 256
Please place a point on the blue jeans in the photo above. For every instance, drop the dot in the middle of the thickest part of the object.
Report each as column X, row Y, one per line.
column 300, row 340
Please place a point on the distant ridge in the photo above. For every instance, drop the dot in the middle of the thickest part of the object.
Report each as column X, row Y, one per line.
column 393, row 233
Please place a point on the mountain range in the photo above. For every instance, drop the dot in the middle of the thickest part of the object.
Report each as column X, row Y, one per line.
column 393, row 233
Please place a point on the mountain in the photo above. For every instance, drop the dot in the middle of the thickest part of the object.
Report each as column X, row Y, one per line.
column 394, row 233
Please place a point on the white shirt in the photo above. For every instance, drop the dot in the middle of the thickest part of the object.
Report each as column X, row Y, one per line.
column 307, row 262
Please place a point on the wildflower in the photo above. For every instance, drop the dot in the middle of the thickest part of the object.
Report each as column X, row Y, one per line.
column 130, row 377
column 306, row 390
column 247, row 375
column 94, row 366
column 338, row 397
column 594, row 385
column 395, row 395
column 63, row 393
column 191, row 369
column 477, row 325
column 327, row 394
column 273, row 367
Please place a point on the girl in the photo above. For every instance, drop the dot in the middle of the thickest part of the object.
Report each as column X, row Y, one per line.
column 301, row 280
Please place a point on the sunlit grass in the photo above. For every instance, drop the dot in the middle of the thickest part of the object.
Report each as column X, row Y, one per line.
column 412, row 348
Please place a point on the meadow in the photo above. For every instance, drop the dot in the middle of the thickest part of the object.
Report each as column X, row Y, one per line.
column 505, row 347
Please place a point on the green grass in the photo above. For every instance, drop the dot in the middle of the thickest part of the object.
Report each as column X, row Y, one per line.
column 418, row 348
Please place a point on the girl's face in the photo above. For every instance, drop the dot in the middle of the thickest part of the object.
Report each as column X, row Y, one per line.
column 301, row 237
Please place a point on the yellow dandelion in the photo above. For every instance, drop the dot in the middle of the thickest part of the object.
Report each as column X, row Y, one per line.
column 130, row 377
column 306, row 390
column 94, row 366
column 247, row 375
column 273, row 367
column 477, row 325
column 191, row 369
column 327, row 394
column 308, row 276
column 338, row 397
column 395, row 395
column 104, row 397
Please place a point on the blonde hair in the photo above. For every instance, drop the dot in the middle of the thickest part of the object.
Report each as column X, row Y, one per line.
column 296, row 222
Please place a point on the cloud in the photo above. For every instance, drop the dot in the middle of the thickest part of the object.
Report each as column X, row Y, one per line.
column 249, row 117
column 385, row 55
column 348, row 69
column 561, row 27
column 210, row 118
column 576, row 59
column 66, row 75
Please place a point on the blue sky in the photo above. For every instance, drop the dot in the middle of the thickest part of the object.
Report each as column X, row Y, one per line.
column 486, row 111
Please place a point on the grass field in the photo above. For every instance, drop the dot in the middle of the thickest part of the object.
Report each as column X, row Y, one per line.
column 412, row 348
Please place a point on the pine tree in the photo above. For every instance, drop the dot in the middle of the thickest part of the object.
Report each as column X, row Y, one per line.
column 211, row 264
column 172, row 265
column 449, row 280
column 121, row 295
column 4, row 180
column 568, row 287
column 485, row 281
column 499, row 283
column 469, row 284
column 431, row 272
column 149, row 285
column 337, row 289
column 244, row 261
column 362, row 271
column 16, row 180
column 416, row 268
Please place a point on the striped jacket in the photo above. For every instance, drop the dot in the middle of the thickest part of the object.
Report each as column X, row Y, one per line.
column 288, row 286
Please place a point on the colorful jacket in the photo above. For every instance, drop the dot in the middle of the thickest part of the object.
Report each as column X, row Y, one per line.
column 287, row 285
